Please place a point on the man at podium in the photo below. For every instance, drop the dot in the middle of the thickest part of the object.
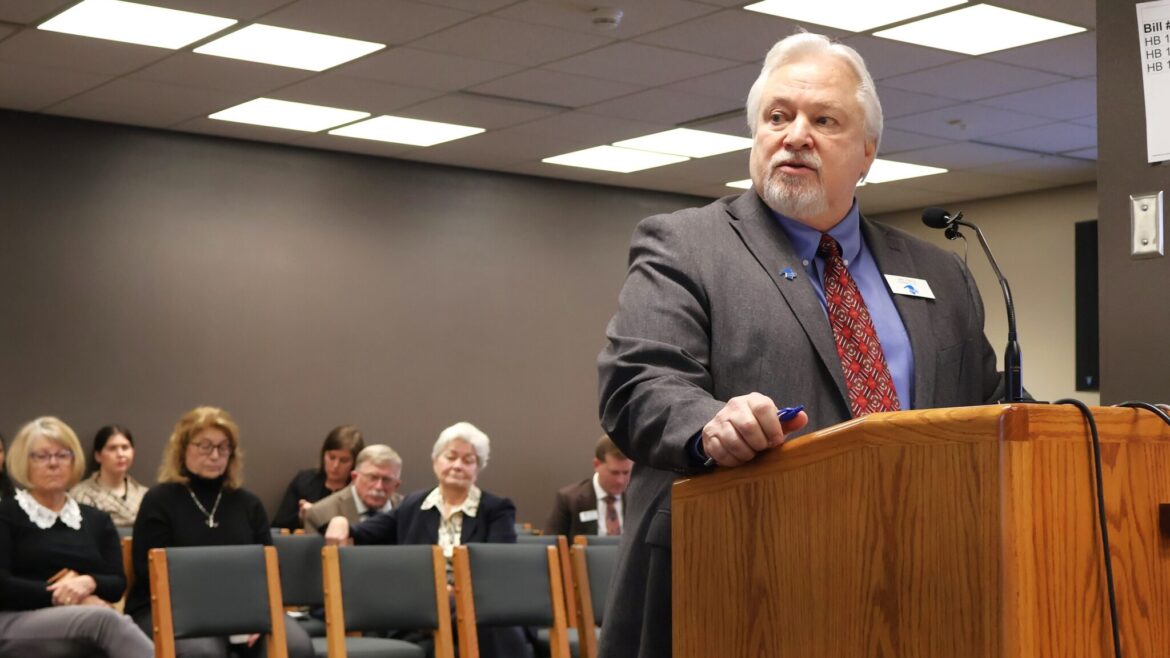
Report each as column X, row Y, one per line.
column 784, row 295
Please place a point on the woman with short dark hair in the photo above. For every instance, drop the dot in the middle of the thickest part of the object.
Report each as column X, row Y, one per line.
column 338, row 455
column 109, row 486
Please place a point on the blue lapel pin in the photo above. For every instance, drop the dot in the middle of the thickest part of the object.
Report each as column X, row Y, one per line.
column 787, row 273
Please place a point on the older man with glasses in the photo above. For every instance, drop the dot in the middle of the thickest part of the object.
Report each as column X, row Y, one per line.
column 376, row 479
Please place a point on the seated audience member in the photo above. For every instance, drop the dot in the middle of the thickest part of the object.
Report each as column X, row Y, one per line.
column 199, row 501
column 594, row 506
column 110, row 487
column 376, row 479
column 60, row 561
column 6, row 488
column 338, row 454
column 453, row 513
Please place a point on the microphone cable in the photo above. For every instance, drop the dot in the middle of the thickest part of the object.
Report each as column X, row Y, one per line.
column 1152, row 408
column 1101, row 521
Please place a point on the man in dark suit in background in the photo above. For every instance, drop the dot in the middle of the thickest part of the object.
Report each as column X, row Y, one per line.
column 376, row 476
column 594, row 505
column 781, row 295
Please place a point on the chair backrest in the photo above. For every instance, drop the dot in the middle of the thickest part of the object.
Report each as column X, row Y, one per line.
column 128, row 561
column 300, row 568
column 593, row 568
column 379, row 588
column 562, row 544
column 509, row 585
column 599, row 540
column 212, row 591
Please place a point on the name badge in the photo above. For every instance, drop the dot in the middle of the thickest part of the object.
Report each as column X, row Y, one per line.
column 909, row 286
column 587, row 515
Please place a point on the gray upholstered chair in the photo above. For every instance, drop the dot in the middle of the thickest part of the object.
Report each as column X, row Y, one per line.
column 300, row 576
column 593, row 568
column 562, row 544
column 509, row 585
column 215, row 591
column 598, row 540
column 383, row 588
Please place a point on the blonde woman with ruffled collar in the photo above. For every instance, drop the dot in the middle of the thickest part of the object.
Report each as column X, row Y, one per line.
column 60, row 561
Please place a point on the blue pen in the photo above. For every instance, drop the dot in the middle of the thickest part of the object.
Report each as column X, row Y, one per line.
column 788, row 413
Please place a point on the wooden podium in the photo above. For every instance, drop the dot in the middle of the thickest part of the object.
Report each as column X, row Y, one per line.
column 947, row 533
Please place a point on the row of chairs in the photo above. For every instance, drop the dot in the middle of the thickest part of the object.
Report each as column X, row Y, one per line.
column 368, row 590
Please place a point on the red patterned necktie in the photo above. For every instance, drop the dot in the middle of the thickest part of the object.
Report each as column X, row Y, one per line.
column 871, row 388
column 613, row 526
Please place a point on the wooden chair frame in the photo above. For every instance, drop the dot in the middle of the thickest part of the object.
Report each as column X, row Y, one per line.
column 465, row 606
column 162, row 611
column 335, row 632
column 583, row 595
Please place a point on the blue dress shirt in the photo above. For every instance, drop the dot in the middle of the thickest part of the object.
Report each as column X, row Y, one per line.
column 862, row 267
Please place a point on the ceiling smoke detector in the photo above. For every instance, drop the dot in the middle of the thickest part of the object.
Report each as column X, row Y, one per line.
column 606, row 18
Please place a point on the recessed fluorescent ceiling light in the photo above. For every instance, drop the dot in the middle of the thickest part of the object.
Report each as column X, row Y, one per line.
column 613, row 158
column 852, row 15
column 401, row 130
column 978, row 30
column 286, row 114
column 292, row 48
column 684, row 141
column 741, row 184
column 134, row 23
column 884, row 171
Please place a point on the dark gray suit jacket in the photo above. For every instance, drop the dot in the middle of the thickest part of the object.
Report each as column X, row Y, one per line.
column 705, row 315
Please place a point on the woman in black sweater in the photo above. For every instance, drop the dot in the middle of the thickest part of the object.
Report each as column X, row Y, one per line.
column 199, row 502
column 60, row 561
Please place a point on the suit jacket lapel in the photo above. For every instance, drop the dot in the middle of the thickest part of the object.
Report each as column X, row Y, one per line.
column 893, row 257
column 470, row 523
column 769, row 244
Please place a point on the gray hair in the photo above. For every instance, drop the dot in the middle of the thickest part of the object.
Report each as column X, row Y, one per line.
column 803, row 44
column 378, row 455
column 464, row 431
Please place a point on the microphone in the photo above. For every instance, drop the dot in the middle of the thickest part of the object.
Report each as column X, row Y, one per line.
column 1012, row 367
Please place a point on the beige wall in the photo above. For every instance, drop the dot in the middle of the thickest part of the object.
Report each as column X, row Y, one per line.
column 1032, row 237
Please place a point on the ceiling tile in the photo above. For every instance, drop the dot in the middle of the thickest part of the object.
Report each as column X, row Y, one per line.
column 662, row 106
column 205, row 126
column 886, row 58
column 972, row 79
column 238, row 9
column 221, row 73
column 1064, row 100
column 334, row 90
column 1076, row 12
column 1089, row 154
column 1090, row 121
column 637, row 17
column 1074, row 55
column 6, row 30
column 145, row 103
column 962, row 155
column 30, row 12
column 735, row 34
column 1050, row 138
column 729, row 123
column 897, row 103
column 511, row 42
column 556, row 88
column 640, row 64
column 729, row 84
column 592, row 129
column 1050, row 170
column 962, row 122
column 500, row 145
column 31, row 88
column 323, row 140
column 58, row 50
column 420, row 68
column 380, row 21
column 894, row 141
column 483, row 112
column 473, row 6
column 556, row 172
